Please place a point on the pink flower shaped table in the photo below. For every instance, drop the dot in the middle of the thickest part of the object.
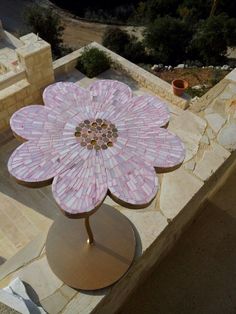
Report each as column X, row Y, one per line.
column 87, row 143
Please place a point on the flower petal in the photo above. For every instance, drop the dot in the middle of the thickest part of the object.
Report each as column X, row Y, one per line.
column 40, row 160
column 129, row 178
column 157, row 147
column 141, row 111
column 68, row 99
column 108, row 96
column 79, row 190
column 32, row 121
column 29, row 163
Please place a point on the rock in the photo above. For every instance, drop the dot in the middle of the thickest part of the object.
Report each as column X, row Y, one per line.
column 194, row 99
column 169, row 67
column 166, row 67
column 218, row 68
column 177, row 189
column 154, row 67
column 197, row 87
column 225, row 67
column 215, row 121
column 211, row 67
column 227, row 137
column 160, row 65
column 212, row 159
column 180, row 66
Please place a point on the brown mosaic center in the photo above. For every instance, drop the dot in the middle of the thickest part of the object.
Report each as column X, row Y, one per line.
column 96, row 134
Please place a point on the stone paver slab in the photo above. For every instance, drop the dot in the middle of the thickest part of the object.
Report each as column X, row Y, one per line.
column 215, row 121
column 24, row 256
column 211, row 161
column 40, row 277
column 227, row 137
column 177, row 190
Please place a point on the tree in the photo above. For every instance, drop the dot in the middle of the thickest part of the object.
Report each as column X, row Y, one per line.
column 125, row 45
column 212, row 38
column 115, row 39
column 47, row 24
column 167, row 39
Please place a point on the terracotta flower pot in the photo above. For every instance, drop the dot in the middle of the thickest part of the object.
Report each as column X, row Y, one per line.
column 179, row 86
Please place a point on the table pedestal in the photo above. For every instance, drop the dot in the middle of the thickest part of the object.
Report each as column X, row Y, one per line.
column 91, row 266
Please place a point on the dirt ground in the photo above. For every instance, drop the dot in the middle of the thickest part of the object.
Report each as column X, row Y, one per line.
column 79, row 33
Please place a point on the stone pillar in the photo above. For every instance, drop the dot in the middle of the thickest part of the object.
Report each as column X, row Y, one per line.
column 36, row 58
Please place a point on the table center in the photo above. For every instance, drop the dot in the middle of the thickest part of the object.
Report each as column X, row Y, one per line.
column 96, row 134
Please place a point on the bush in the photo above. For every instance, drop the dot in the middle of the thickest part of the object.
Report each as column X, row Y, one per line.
column 93, row 62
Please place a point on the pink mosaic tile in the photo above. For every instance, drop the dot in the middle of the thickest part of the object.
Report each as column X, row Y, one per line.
column 93, row 140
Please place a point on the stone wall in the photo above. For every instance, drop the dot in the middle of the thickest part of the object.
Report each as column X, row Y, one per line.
column 26, row 86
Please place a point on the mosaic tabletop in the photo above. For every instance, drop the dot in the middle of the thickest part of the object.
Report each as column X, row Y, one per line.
column 91, row 141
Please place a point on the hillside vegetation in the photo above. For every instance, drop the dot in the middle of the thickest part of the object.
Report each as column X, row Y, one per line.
column 142, row 12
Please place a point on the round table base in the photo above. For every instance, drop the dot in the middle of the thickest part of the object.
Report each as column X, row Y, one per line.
column 91, row 266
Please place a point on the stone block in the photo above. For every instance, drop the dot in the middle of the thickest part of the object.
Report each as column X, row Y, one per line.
column 227, row 136
column 211, row 160
column 40, row 277
column 4, row 114
column 215, row 121
column 149, row 225
column 189, row 127
column 24, row 256
column 231, row 76
column 54, row 303
column 177, row 189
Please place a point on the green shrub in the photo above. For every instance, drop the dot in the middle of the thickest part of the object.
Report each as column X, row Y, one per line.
column 93, row 62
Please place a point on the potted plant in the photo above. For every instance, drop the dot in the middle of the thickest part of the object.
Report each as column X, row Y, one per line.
column 179, row 86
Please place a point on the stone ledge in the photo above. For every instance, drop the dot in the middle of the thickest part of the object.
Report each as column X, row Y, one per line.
column 14, row 89
column 11, row 78
column 231, row 76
